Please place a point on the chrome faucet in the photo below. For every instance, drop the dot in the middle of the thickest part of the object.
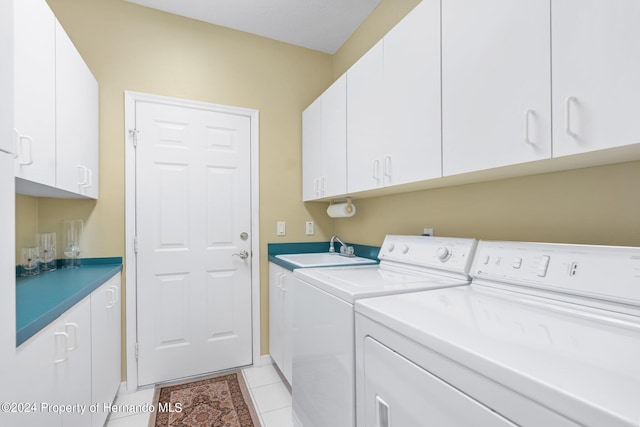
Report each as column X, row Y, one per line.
column 344, row 249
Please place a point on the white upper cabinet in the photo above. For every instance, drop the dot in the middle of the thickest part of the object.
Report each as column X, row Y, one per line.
column 365, row 116
column 412, row 123
column 34, row 91
column 496, row 106
column 56, row 108
column 76, row 120
column 596, row 69
column 393, row 103
column 311, row 150
column 466, row 86
column 324, row 144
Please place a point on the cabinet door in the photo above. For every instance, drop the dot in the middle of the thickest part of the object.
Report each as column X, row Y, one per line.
column 324, row 144
column 495, row 83
column 595, row 74
column 312, row 150
column 73, row 376
column 275, row 314
column 36, row 367
column 34, row 79
column 76, row 120
column 54, row 367
column 6, row 78
column 287, row 325
column 412, row 146
column 365, row 115
column 7, row 213
column 105, row 345
column 333, row 150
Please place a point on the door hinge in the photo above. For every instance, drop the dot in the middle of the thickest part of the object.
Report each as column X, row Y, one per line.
column 134, row 136
column 135, row 244
column 137, row 351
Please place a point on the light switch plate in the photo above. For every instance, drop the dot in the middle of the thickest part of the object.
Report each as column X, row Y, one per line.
column 309, row 227
column 281, row 228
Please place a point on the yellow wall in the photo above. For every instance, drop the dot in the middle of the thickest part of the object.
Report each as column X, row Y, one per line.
column 129, row 47
column 599, row 205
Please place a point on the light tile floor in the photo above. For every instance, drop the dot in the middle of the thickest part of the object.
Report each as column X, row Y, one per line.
column 271, row 398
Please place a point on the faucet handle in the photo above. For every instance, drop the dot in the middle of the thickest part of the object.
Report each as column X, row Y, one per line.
column 347, row 250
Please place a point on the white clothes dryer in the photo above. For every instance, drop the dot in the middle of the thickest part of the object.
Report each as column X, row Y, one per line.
column 323, row 385
column 546, row 335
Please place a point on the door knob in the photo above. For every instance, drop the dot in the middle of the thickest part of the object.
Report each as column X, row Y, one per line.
column 242, row 254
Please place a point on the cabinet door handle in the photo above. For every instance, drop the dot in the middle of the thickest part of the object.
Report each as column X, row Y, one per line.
column 65, row 336
column 316, row 186
column 111, row 301
column 382, row 413
column 322, row 186
column 527, row 115
column 387, row 166
column 82, row 176
column 88, row 178
column 567, row 115
column 116, row 295
column 376, row 170
column 73, row 326
column 26, row 138
column 16, row 139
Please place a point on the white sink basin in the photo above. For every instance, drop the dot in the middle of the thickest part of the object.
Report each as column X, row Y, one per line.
column 322, row 259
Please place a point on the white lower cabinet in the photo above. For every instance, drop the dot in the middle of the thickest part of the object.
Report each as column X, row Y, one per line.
column 54, row 368
column 280, row 319
column 105, row 346
column 72, row 363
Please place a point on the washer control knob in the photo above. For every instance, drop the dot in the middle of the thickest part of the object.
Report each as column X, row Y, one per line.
column 391, row 247
column 405, row 249
column 443, row 253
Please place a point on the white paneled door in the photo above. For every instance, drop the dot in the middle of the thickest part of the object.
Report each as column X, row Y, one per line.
column 193, row 213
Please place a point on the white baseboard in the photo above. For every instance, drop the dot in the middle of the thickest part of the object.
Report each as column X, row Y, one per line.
column 265, row 360
column 123, row 388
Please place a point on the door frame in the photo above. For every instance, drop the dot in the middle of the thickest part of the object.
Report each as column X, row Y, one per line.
column 131, row 324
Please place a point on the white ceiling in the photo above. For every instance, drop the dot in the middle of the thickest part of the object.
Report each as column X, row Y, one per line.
column 322, row 25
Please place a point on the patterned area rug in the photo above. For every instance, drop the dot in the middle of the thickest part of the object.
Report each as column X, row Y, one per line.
column 220, row 401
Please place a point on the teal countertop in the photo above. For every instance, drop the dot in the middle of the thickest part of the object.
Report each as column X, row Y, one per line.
column 43, row 298
column 274, row 249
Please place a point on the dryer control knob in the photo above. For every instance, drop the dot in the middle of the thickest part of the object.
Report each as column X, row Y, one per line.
column 405, row 249
column 443, row 253
column 391, row 247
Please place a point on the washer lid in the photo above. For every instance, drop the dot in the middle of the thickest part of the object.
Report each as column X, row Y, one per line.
column 581, row 362
column 352, row 283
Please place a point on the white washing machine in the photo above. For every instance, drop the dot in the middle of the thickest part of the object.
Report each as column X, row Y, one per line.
column 546, row 335
column 323, row 384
